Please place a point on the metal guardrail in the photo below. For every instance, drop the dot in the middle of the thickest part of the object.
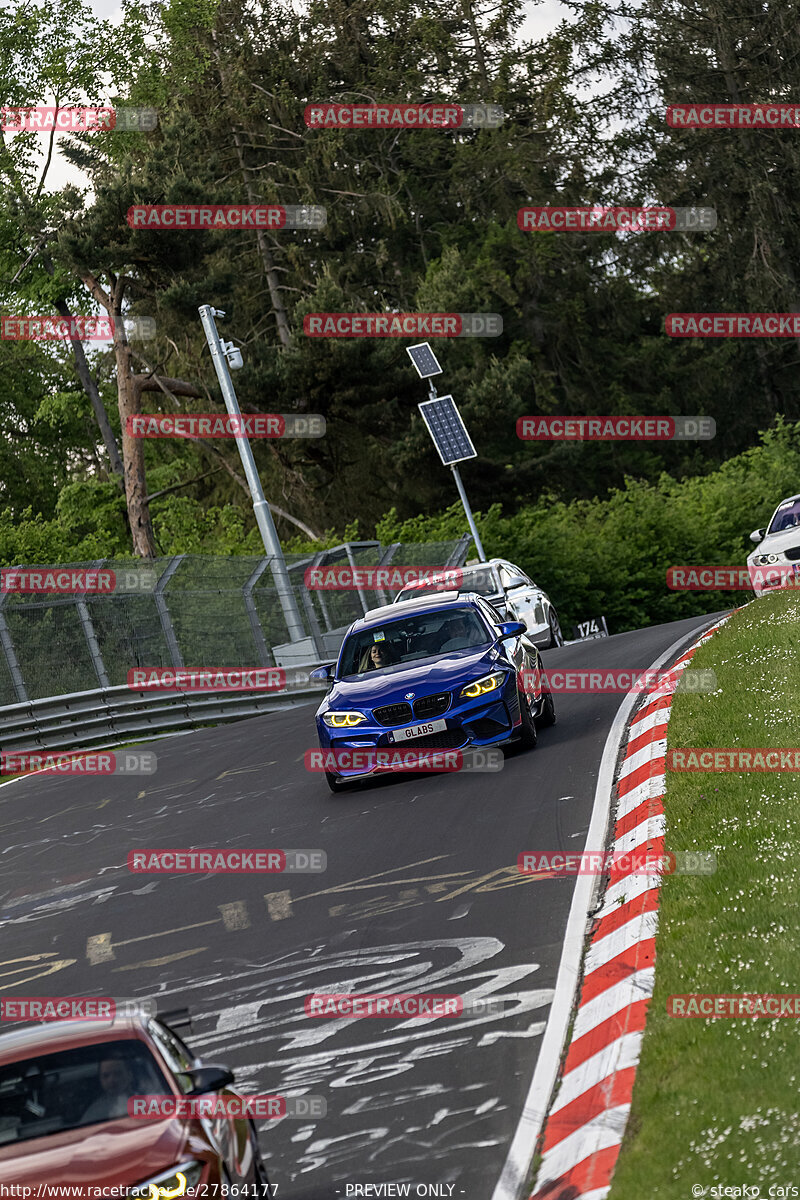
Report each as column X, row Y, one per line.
column 110, row 716
column 184, row 611
column 198, row 610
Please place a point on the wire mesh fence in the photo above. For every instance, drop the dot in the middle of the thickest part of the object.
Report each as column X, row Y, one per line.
column 189, row 612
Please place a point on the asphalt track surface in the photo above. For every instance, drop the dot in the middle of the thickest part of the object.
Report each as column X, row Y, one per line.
column 421, row 894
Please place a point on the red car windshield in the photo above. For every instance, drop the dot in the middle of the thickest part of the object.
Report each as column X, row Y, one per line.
column 473, row 579
column 72, row 1088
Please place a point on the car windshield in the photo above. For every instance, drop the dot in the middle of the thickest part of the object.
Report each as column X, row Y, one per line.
column 473, row 579
column 72, row 1088
column 787, row 516
column 423, row 635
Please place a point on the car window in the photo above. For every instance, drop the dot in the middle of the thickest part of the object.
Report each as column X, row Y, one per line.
column 491, row 614
column 72, row 1088
column 787, row 516
column 509, row 576
column 482, row 580
column 384, row 648
column 176, row 1054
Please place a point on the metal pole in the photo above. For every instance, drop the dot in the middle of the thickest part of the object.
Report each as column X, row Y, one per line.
column 162, row 608
column 11, row 657
column 476, row 537
column 263, row 516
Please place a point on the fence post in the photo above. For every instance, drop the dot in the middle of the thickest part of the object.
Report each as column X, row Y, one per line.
column 458, row 552
column 10, row 653
column 252, row 613
column 308, row 606
column 383, row 560
column 163, row 612
column 90, row 635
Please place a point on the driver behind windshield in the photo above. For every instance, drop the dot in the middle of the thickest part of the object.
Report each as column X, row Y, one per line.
column 379, row 655
column 115, row 1078
column 457, row 634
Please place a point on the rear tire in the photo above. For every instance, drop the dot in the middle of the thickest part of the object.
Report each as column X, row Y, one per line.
column 527, row 733
column 556, row 636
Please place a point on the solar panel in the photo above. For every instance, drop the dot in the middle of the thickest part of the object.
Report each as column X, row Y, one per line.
column 424, row 360
column 447, row 430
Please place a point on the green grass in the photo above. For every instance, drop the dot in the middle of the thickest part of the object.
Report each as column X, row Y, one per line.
column 716, row 1100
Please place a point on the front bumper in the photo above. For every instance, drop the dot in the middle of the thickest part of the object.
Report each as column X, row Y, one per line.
column 489, row 720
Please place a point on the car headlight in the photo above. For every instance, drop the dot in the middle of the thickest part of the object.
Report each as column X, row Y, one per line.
column 489, row 683
column 168, row 1180
column 343, row 720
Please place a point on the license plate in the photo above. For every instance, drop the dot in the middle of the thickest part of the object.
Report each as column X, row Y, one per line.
column 415, row 731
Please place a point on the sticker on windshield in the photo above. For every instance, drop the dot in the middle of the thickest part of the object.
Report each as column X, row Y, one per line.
column 786, row 504
column 379, row 636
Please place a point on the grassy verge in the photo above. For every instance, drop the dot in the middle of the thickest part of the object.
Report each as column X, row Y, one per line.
column 716, row 1099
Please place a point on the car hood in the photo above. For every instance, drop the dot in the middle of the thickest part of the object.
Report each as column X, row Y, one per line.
column 116, row 1152
column 777, row 543
column 426, row 676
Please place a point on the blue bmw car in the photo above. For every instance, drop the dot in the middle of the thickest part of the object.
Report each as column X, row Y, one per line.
column 440, row 672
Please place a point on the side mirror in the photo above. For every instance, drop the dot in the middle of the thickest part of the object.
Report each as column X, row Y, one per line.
column 511, row 629
column 323, row 674
column 208, row 1079
column 757, row 535
column 516, row 581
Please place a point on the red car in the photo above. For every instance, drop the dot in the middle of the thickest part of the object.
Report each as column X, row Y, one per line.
column 64, row 1087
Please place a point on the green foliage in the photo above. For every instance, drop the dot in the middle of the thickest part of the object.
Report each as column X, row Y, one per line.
column 610, row 556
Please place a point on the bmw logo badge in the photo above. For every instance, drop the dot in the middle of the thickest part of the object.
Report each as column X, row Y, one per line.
column 410, row 695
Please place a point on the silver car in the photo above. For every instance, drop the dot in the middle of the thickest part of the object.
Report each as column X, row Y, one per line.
column 508, row 589
column 778, row 547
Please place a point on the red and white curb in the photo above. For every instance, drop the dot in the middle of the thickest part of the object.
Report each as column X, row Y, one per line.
column 587, row 1119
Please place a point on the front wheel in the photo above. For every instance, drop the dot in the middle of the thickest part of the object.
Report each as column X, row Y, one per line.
column 260, row 1179
column 333, row 781
column 548, row 713
column 527, row 733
